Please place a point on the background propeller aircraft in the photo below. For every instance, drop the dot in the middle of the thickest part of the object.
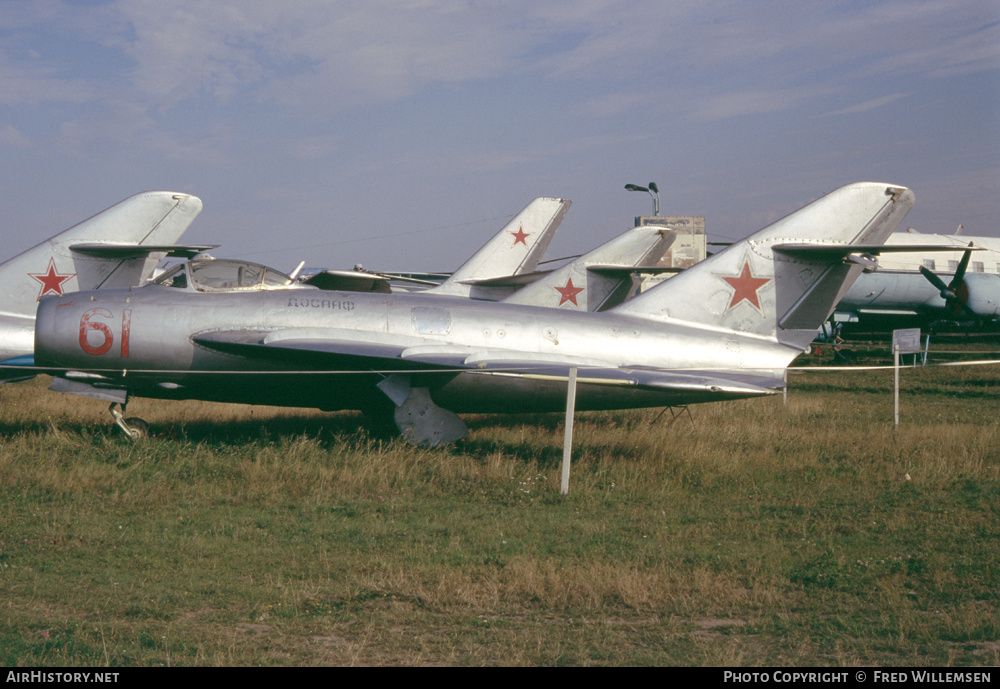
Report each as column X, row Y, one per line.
column 926, row 284
column 116, row 248
column 231, row 331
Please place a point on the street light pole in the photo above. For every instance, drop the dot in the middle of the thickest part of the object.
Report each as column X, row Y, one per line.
column 652, row 190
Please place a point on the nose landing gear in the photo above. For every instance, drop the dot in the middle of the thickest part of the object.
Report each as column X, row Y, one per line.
column 135, row 428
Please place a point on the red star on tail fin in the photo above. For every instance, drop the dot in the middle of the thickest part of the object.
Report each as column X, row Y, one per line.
column 745, row 287
column 520, row 236
column 569, row 292
column 51, row 280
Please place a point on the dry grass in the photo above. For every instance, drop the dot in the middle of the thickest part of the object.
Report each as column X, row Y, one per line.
column 756, row 534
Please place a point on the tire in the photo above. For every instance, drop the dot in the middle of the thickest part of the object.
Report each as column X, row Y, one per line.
column 140, row 429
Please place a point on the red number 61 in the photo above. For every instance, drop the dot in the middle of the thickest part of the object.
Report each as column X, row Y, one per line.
column 109, row 338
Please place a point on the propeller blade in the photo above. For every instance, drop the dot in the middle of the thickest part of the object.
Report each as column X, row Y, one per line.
column 956, row 294
column 946, row 293
column 960, row 273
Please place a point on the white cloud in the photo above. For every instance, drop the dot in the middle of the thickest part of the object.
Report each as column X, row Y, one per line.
column 426, row 94
column 307, row 53
column 871, row 104
column 12, row 138
column 33, row 83
column 751, row 102
column 316, row 58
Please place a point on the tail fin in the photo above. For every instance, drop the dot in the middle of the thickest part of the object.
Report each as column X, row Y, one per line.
column 515, row 250
column 783, row 281
column 118, row 247
column 602, row 278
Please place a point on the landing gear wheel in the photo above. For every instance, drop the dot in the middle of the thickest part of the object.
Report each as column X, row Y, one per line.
column 138, row 429
column 134, row 428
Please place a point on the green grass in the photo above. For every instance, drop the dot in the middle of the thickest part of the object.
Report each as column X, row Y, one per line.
column 759, row 534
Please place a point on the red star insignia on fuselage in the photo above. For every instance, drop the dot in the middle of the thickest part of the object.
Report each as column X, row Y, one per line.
column 745, row 287
column 51, row 280
column 520, row 236
column 569, row 292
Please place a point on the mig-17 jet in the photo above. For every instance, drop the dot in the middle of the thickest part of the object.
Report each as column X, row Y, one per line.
column 232, row 331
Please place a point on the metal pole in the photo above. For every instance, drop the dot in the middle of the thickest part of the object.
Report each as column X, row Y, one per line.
column 568, row 438
column 895, row 364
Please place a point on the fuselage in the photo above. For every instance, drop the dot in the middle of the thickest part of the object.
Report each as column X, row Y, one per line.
column 885, row 290
column 897, row 286
column 148, row 332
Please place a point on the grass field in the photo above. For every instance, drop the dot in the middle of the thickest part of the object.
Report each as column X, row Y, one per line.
column 759, row 533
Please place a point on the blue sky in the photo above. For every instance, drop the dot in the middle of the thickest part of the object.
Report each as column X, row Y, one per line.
column 403, row 134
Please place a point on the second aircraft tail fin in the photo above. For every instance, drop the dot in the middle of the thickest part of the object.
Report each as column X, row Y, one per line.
column 514, row 250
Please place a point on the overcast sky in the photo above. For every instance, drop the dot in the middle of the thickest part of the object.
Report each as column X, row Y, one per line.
column 402, row 134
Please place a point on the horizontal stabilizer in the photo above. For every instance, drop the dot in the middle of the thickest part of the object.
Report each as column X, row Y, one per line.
column 832, row 251
column 123, row 251
column 118, row 247
column 350, row 281
column 508, row 280
column 608, row 270
column 429, row 279
column 624, row 271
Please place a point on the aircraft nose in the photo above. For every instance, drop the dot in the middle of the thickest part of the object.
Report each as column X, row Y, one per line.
column 982, row 294
column 55, row 328
column 44, row 327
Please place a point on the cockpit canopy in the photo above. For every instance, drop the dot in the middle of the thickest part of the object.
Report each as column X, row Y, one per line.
column 214, row 275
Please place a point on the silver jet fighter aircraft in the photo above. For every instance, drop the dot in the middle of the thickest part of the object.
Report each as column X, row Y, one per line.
column 118, row 247
column 230, row 331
